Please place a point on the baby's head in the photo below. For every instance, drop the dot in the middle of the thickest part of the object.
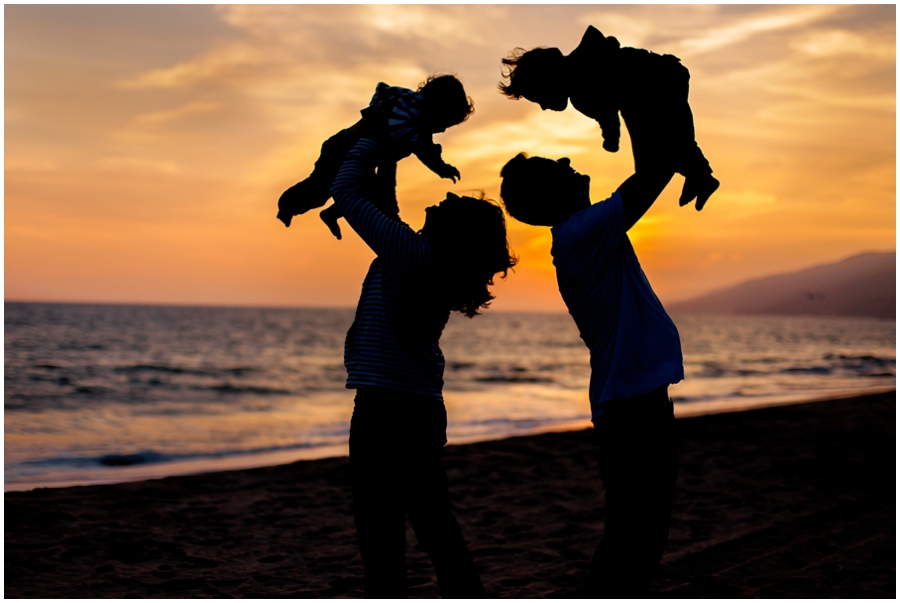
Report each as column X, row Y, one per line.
column 538, row 76
column 447, row 102
column 543, row 192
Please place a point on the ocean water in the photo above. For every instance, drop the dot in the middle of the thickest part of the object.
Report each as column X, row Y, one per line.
column 108, row 393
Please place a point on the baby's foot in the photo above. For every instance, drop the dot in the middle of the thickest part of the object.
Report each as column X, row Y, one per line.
column 284, row 216
column 301, row 198
column 688, row 191
column 707, row 187
column 699, row 187
column 331, row 221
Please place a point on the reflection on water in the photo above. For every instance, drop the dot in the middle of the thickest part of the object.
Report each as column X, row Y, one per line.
column 99, row 392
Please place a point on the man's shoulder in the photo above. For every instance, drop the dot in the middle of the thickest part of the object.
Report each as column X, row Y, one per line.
column 601, row 210
column 601, row 217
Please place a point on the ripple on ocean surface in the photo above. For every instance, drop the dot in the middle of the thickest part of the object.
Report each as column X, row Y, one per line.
column 165, row 386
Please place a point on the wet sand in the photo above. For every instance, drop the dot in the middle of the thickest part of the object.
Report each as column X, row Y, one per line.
column 794, row 501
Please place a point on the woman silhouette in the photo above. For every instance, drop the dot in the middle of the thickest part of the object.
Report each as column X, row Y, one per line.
column 394, row 361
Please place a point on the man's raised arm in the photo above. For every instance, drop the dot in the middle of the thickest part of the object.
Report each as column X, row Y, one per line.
column 639, row 192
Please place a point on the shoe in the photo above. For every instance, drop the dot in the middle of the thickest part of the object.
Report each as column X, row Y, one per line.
column 331, row 220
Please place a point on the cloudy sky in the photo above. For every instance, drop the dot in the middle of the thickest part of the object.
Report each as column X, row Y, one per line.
column 146, row 146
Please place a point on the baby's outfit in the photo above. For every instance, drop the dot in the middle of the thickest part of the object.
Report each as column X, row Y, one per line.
column 408, row 135
column 651, row 92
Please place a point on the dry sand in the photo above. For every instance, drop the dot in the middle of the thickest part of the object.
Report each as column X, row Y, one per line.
column 797, row 501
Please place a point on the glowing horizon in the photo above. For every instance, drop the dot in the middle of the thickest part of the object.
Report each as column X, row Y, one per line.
column 146, row 146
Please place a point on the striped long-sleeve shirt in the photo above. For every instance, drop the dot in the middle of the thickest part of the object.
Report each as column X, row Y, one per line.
column 405, row 119
column 406, row 124
column 393, row 342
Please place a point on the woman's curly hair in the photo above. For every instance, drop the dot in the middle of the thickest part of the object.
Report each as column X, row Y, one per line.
column 471, row 247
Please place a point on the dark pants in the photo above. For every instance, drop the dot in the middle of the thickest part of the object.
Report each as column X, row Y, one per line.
column 638, row 464
column 397, row 468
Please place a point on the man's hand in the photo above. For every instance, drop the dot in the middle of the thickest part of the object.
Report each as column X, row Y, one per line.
column 611, row 144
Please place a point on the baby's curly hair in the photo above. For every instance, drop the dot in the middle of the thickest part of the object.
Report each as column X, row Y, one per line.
column 446, row 96
column 522, row 67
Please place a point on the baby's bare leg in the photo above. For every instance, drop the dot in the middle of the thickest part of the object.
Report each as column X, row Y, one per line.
column 330, row 216
column 315, row 190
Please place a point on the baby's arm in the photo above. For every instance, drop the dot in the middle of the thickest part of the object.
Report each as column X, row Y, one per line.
column 429, row 153
column 609, row 124
column 605, row 114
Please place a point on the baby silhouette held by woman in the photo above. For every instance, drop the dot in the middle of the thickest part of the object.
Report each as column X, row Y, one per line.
column 408, row 119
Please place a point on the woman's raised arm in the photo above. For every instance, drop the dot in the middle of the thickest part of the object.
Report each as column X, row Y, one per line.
column 383, row 235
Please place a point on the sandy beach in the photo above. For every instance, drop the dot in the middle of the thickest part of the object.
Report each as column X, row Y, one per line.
column 794, row 501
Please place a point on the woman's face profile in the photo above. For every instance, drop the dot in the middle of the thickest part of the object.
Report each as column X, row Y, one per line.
column 437, row 215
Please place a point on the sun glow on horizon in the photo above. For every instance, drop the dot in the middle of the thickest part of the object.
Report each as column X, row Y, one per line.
column 146, row 146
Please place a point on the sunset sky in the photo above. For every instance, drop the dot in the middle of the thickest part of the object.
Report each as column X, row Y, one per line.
column 146, row 146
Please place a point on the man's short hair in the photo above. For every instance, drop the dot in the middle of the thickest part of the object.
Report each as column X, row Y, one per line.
column 526, row 191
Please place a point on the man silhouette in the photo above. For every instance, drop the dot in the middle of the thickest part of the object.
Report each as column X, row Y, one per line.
column 635, row 355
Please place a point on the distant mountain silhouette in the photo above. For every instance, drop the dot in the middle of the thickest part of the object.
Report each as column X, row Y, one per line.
column 862, row 285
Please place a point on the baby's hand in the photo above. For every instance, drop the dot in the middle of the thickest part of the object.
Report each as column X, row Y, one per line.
column 611, row 145
column 448, row 171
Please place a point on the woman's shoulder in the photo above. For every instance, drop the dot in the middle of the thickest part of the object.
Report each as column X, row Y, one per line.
column 409, row 247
